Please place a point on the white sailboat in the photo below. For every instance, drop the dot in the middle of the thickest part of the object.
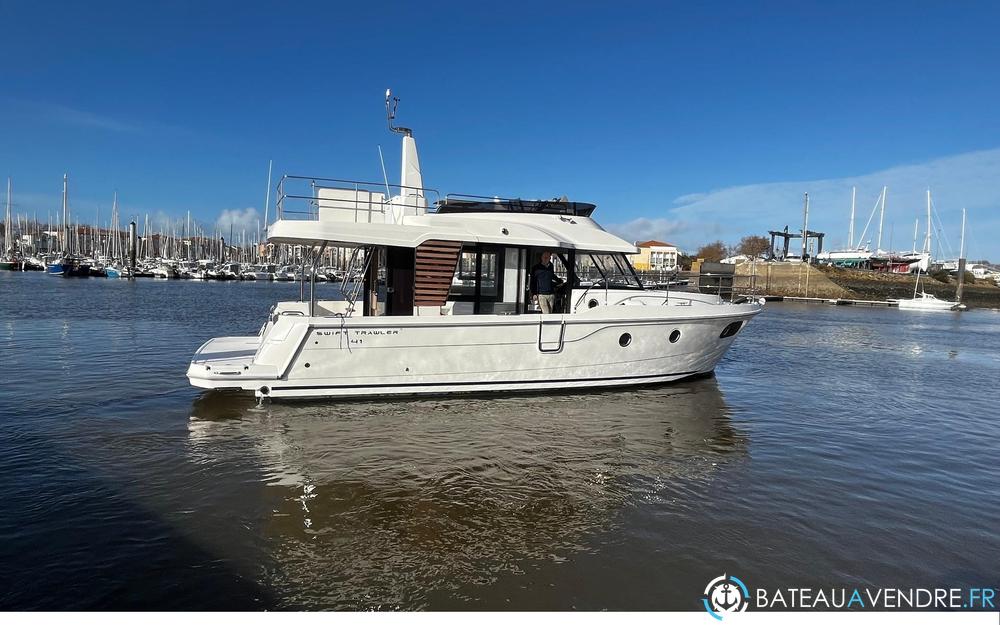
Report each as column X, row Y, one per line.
column 924, row 300
column 404, row 328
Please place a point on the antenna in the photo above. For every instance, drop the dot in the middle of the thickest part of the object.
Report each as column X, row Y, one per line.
column 391, row 104
column 385, row 176
column 267, row 196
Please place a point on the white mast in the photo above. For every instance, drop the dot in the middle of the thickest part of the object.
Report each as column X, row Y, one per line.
column 850, row 232
column 267, row 195
column 113, row 230
column 7, row 232
column 927, row 239
column 805, row 227
column 65, row 216
column 961, row 246
column 881, row 220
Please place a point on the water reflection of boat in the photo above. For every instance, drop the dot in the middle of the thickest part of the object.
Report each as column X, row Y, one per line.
column 381, row 503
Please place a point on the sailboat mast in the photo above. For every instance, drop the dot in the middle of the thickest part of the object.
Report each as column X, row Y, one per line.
column 961, row 264
column 961, row 246
column 7, row 231
column 850, row 232
column 65, row 214
column 805, row 226
column 267, row 195
column 881, row 220
column 927, row 238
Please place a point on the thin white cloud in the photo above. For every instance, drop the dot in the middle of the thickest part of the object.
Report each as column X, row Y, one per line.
column 644, row 229
column 87, row 119
column 47, row 112
column 970, row 180
column 238, row 220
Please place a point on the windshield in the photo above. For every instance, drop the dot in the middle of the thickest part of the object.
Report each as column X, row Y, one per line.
column 607, row 270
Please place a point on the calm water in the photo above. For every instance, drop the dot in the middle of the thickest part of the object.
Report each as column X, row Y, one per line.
column 835, row 446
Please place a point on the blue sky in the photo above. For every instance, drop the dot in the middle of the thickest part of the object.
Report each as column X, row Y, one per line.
column 686, row 121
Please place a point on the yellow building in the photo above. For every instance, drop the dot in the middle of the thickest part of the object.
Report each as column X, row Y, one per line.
column 655, row 256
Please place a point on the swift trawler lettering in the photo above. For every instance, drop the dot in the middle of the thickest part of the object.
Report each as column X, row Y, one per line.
column 476, row 293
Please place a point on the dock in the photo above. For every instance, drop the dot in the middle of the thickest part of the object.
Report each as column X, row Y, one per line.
column 834, row 302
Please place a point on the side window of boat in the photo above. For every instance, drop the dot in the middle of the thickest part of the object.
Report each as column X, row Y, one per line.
column 464, row 282
column 488, row 270
column 559, row 266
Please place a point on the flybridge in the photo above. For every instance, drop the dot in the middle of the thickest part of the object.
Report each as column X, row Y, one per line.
column 340, row 200
column 313, row 197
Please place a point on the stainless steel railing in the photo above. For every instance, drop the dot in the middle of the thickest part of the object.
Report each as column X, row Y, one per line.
column 299, row 197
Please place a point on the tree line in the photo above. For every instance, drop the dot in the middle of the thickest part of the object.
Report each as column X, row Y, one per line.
column 750, row 245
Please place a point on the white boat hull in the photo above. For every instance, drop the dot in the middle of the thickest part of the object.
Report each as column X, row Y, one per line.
column 926, row 301
column 910, row 304
column 302, row 357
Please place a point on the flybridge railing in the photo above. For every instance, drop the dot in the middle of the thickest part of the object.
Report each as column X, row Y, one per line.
column 305, row 197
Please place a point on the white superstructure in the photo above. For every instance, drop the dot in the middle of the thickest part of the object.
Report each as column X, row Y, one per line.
column 438, row 300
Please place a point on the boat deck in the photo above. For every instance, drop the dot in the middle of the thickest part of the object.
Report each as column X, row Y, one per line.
column 225, row 357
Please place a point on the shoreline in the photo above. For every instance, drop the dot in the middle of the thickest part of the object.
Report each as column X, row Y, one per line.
column 793, row 280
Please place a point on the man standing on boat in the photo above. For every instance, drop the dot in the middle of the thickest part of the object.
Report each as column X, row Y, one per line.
column 543, row 282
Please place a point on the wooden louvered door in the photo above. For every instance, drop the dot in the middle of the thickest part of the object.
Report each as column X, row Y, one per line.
column 435, row 268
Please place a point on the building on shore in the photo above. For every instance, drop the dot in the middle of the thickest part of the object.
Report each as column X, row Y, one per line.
column 655, row 256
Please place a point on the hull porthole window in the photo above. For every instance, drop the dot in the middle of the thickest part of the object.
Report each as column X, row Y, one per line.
column 675, row 336
column 731, row 329
column 592, row 303
column 625, row 339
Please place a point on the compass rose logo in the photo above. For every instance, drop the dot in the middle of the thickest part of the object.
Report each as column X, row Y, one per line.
column 725, row 594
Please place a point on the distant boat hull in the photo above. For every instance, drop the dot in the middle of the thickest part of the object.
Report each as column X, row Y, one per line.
column 69, row 268
column 926, row 301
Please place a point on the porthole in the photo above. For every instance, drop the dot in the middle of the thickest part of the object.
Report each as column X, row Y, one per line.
column 731, row 329
column 675, row 336
column 307, row 365
column 592, row 303
column 625, row 339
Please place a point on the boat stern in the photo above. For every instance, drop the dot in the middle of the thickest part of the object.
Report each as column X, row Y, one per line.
column 224, row 362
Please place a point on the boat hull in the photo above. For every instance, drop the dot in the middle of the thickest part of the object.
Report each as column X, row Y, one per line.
column 299, row 357
column 69, row 270
column 927, row 301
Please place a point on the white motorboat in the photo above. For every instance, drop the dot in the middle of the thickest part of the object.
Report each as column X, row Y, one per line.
column 287, row 273
column 405, row 327
column 258, row 272
column 225, row 271
column 165, row 271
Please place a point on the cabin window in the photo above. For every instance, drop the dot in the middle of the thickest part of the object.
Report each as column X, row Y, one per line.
column 489, row 275
column 464, row 283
